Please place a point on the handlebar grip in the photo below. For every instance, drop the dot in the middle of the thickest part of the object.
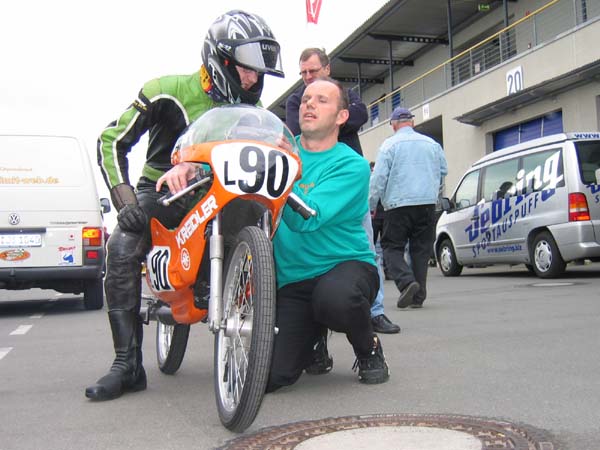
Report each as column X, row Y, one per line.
column 298, row 205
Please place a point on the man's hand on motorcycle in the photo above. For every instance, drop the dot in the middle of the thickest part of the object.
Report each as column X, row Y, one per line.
column 177, row 177
column 284, row 143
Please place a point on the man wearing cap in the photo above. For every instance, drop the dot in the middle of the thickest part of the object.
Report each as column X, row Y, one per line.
column 407, row 176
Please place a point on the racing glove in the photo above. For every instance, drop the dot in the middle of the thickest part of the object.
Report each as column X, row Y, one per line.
column 131, row 216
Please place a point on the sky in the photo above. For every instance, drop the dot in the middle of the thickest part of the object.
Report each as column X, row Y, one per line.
column 70, row 67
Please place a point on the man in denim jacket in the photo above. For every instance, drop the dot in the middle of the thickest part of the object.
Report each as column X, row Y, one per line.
column 407, row 176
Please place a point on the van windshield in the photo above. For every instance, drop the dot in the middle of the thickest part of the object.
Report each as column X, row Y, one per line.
column 588, row 154
column 39, row 162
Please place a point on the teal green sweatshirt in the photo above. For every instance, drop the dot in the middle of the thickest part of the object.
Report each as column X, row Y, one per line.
column 335, row 183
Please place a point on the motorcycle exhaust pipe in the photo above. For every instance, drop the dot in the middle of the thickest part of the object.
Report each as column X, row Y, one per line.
column 162, row 314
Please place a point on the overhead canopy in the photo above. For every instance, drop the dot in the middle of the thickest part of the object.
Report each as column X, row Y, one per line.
column 548, row 88
column 403, row 29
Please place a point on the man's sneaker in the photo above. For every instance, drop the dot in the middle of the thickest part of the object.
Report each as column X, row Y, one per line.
column 372, row 368
column 381, row 324
column 407, row 294
column 321, row 363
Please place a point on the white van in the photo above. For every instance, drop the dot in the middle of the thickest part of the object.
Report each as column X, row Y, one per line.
column 51, row 228
column 535, row 203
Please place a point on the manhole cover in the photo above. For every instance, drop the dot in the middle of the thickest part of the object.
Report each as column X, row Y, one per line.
column 406, row 431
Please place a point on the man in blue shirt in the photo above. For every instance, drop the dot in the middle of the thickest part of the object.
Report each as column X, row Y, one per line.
column 406, row 178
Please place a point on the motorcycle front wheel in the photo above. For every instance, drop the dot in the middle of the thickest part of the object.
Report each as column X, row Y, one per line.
column 244, row 343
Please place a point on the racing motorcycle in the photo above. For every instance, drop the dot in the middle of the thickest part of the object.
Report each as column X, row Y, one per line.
column 247, row 163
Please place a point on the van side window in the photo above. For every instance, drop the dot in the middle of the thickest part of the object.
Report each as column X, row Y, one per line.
column 543, row 170
column 499, row 180
column 588, row 154
column 466, row 194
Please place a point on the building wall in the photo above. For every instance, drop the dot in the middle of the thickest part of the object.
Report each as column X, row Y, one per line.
column 464, row 143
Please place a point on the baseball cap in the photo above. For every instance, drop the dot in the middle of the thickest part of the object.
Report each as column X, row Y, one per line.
column 401, row 114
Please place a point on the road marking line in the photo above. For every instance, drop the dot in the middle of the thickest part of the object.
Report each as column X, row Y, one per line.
column 21, row 329
column 36, row 316
column 4, row 351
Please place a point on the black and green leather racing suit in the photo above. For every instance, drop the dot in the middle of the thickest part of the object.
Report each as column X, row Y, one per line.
column 164, row 108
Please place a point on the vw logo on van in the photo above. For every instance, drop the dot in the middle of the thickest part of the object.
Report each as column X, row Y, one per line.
column 14, row 219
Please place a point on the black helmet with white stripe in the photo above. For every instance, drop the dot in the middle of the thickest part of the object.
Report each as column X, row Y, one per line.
column 238, row 38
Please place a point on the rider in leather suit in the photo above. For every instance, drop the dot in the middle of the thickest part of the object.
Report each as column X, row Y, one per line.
column 238, row 50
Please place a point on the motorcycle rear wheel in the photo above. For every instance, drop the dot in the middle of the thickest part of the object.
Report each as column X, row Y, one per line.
column 171, row 343
column 244, row 344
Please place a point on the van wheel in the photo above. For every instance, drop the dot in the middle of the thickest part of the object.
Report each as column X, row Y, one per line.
column 547, row 262
column 93, row 294
column 447, row 259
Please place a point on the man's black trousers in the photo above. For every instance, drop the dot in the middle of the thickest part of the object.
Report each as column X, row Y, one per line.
column 339, row 300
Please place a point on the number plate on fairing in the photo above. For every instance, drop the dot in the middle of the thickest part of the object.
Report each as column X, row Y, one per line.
column 157, row 265
column 252, row 168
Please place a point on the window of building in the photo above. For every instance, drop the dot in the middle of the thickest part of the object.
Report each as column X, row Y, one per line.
column 374, row 114
column 551, row 123
column 396, row 100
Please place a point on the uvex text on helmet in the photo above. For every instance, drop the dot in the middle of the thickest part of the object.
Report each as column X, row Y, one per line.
column 242, row 39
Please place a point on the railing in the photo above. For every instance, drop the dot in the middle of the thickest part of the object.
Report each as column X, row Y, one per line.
column 539, row 27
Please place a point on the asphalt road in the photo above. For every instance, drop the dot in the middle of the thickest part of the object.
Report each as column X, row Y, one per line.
column 494, row 343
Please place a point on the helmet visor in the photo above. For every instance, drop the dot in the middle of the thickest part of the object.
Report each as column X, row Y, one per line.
column 262, row 55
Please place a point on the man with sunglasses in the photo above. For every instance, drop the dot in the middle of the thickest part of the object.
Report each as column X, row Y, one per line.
column 314, row 64
column 239, row 49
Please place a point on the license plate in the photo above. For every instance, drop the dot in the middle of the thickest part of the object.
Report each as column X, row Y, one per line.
column 20, row 240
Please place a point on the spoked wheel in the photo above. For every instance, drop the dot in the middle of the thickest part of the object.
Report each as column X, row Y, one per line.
column 244, row 344
column 171, row 342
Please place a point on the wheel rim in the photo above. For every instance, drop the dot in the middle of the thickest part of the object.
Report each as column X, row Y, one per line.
column 236, row 335
column 543, row 256
column 446, row 259
column 164, row 337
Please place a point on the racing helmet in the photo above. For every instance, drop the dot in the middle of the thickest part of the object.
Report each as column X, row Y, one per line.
column 238, row 38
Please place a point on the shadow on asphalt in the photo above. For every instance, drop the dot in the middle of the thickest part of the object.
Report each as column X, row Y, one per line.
column 572, row 272
column 13, row 308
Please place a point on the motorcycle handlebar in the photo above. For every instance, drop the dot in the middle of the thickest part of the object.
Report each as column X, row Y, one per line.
column 298, row 205
column 167, row 199
column 295, row 202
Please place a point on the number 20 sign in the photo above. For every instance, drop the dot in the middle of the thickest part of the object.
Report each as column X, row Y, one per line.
column 514, row 80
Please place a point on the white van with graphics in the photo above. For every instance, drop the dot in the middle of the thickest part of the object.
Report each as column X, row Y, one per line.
column 51, row 229
column 535, row 203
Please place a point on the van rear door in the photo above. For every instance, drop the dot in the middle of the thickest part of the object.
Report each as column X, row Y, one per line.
column 48, row 196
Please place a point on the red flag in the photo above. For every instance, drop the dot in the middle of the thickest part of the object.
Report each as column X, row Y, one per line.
column 313, row 7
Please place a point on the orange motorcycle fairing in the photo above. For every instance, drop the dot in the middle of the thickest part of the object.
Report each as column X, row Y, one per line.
column 175, row 257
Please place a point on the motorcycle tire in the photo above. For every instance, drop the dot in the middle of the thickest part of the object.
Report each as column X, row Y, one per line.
column 244, row 344
column 171, row 342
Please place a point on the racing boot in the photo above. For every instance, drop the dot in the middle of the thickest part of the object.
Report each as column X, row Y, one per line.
column 126, row 372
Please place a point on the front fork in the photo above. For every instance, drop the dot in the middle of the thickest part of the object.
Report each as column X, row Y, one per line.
column 217, row 254
column 216, row 321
